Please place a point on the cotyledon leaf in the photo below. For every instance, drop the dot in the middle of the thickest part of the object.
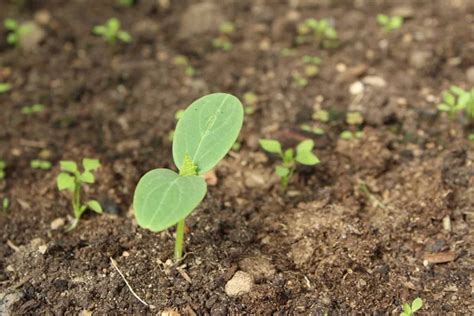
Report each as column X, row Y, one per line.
column 162, row 198
column 207, row 130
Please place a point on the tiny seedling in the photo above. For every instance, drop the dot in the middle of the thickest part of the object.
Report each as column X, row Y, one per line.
column 223, row 41
column 471, row 137
column 32, row 109
column 409, row 310
column 111, row 32
column 126, row 3
column 349, row 135
column 250, row 101
column 5, row 204
column 303, row 154
column 182, row 61
column 354, row 118
column 288, row 52
column 299, row 79
column 456, row 100
column 205, row 133
column 3, row 166
column 311, row 65
column 390, row 23
column 72, row 179
column 312, row 129
column 40, row 164
column 321, row 32
column 15, row 31
column 321, row 116
column 5, row 87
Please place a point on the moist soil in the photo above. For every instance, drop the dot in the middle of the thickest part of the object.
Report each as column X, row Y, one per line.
column 380, row 221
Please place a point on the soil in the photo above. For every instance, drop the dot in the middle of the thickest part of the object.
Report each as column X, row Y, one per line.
column 380, row 221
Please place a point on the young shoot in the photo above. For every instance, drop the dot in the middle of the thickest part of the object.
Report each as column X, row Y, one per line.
column 204, row 134
column 5, row 87
column 126, row 3
column 250, row 101
column 72, row 180
column 32, row 109
column 390, row 23
column 302, row 154
column 223, row 41
column 456, row 100
column 40, row 164
column 3, row 166
column 321, row 32
column 15, row 31
column 409, row 310
column 354, row 118
column 182, row 61
column 321, row 116
column 349, row 135
column 5, row 204
column 111, row 32
column 312, row 129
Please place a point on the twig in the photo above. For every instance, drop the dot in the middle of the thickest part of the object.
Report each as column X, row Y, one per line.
column 12, row 245
column 114, row 264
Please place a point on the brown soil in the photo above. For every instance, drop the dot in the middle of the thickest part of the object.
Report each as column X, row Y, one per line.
column 350, row 236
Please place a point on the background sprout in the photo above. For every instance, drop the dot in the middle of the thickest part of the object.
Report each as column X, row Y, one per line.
column 409, row 310
column 290, row 157
column 111, row 32
column 455, row 100
column 389, row 23
column 321, row 32
column 33, row 109
column 205, row 133
column 250, row 101
column 321, row 115
column 40, row 164
column 16, row 31
column 5, row 204
column 223, row 42
column 181, row 60
column 3, row 166
column 354, row 118
column 72, row 180
column 5, row 87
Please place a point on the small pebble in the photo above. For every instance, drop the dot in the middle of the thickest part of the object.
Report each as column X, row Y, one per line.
column 241, row 283
column 57, row 223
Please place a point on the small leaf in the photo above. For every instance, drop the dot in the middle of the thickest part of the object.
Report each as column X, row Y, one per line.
column 5, row 87
column 124, row 36
column 66, row 182
column 288, row 156
column 10, row 24
column 416, row 304
column 444, row 107
column 271, row 146
column 87, row 177
column 282, row 171
column 95, row 206
column 305, row 146
column 346, row 135
column 448, row 98
column 457, row 90
column 90, row 164
column 67, row 165
column 99, row 30
column 407, row 309
column 307, row 158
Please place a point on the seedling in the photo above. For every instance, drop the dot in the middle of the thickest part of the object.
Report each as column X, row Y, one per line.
column 250, row 101
column 33, row 109
column 3, row 166
column 390, row 23
column 5, row 204
column 16, row 31
column 223, row 41
column 5, row 87
column 308, row 69
column 72, row 179
column 471, row 137
column 354, row 118
column 409, row 310
column 290, row 157
column 349, row 135
column 288, row 52
column 181, row 60
column 321, row 115
column 203, row 136
column 126, row 3
column 40, row 164
column 312, row 129
column 111, row 32
column 321, row 32
column 455, row 100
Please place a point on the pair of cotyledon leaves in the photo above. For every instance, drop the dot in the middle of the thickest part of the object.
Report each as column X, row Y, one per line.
column 205, row 133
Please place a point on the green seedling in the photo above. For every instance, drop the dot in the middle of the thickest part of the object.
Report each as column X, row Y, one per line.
column 250, row 101
column 5, row 87
column 311, row 65
column 354, row 118
column 303, row 154
column 321, row 116
column 349, row 135
column 409, row 310
column 5, row 204
column 111, row 32
column 223, row 41
column 15, row 31
column 33, row 109
column 312, row 129
column 3, row 166
column 456, row 100
column 40, row 164
column 471, row 137
column 182, row 61
column 299, row 79
column 205, row 133
column 320, row 32
column 72, row 180
column 389, row 23
column 126, row 3
column 288, row 52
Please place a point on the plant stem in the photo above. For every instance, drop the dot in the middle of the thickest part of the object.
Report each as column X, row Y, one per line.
column 178, row 246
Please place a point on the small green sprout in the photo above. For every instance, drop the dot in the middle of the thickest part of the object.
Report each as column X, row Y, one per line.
column 299, row 79
column 205, row 133
column 409, row 310
column 312, row 129
column 348, row 135
column 311, row 67
column 111, row 32
column 250, row 101
column 303, row 155
column 471, row 137
column 320, row 32
column 16, row 31
column 40, row 164
column 5, row 87
column 181, row 60
column 33, row 109
column 389, row 23
column 5, row 204
column 72, row 179
column 354, row 118
column 3, row 166
column 321, row 115
column 223, row 41
column 126, row 3
column 288, row 52
column 455, row 100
